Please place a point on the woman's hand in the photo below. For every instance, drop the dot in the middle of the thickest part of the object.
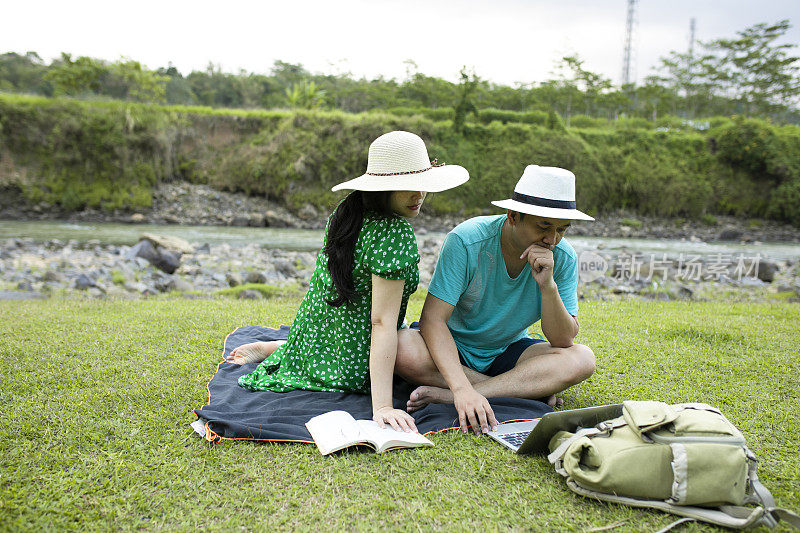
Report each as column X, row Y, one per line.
column 397, row 418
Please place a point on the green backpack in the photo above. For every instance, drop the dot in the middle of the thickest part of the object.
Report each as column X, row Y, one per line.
column 686, row 459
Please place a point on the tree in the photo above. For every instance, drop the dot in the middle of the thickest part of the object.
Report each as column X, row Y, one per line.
column 761, row 73
column 695, row 79
column 23, row 73
column 138, row 83
column 591, row 83
column 464, row 106
column 305, row 95
column 83, row 75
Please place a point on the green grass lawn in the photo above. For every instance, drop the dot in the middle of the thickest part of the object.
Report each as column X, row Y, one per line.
column 96, row 399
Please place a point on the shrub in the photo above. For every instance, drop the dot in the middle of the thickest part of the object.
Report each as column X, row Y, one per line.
column 785, row 202
column 709, row 220
column 268, row 291
column 633, row 123
column 111, row 154
column 584, row 121
column 485, row 116
column 754, row 146
column 631, row 222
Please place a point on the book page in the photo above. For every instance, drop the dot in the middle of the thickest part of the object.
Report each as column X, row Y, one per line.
column 333, row 431
column 388, row 437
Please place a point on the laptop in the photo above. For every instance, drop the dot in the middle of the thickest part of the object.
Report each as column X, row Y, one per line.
column 533, row 436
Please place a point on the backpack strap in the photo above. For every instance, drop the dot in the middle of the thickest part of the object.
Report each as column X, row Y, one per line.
column 786, row 515
column 601, row 428
column 675, row 524
column 735, row 517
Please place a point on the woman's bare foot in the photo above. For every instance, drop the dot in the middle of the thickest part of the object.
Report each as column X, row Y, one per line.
column 254, row 352
column 422, row 396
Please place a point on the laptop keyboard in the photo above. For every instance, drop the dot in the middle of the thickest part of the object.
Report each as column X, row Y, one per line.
column 515, row 439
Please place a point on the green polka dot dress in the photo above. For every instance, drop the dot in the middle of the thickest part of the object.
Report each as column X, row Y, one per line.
column 328, row 347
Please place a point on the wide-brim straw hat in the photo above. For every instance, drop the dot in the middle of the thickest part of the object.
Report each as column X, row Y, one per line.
column 547, row 192
column 398, row 161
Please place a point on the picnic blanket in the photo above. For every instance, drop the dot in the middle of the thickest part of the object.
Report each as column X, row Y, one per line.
column 235, row 413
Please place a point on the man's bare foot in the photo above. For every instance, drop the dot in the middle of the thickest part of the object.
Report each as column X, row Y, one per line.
column 254, row 352
column 422, row 396
column 555, row 401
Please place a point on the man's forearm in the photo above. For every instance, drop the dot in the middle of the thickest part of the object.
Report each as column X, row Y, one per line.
column 444, row 353
column 558, row 325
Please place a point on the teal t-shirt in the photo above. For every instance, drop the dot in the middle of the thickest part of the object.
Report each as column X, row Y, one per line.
column 493, row 310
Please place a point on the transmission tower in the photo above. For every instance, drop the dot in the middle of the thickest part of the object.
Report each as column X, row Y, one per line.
column 627, row 56
column 692, row 27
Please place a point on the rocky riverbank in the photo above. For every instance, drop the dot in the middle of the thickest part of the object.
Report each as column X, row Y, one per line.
column 190, row 204
column 160, row 266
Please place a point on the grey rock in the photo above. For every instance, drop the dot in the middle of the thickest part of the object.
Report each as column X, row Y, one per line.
column 161, row 258
column 180, row 285
column 275, row 220
column 730, row 235
column 233, row 279
column 135, row 286
column 767, row 271
column 307, row 212
column 255, row 276
column 84, row 282
column 256, row 221
column 250, row 294
column 24, row 285
column 53, row 275
column 169, row 260
column 659, row 296
column 168, row 242
column 100, row 287
column 163, row 283
column 240, row 220
column 14, row 295
column 143, row 249
column 685, row 292
column 203, row 249
column 285, row 267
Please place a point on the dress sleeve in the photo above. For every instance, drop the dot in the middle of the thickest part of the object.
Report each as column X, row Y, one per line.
column 390, row 248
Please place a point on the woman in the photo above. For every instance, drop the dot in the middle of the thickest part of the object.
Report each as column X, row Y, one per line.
column 344, row 337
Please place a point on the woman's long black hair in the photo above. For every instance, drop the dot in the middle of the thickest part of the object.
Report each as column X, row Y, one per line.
column 343, row 230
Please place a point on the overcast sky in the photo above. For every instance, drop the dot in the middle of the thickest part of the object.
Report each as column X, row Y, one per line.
column 505, row 41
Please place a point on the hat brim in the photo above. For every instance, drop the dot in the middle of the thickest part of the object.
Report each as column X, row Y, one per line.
column 434, row 179
column 546, row 212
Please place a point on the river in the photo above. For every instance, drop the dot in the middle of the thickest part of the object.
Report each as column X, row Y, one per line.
column 310, row 240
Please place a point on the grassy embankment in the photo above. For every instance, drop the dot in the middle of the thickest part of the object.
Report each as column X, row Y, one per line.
column 95, row 401
column 110, row 155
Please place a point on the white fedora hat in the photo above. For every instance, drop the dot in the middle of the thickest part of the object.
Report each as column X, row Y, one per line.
column 398, row 161
column 546, row 192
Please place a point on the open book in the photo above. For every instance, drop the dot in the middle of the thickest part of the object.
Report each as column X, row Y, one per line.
column 336, row 430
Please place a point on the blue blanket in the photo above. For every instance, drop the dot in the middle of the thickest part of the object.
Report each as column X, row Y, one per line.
column 234, row 413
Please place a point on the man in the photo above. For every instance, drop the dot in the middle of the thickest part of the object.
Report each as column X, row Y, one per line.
column 495, row 277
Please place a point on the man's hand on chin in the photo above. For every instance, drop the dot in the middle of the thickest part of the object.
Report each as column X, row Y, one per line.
column 474, row 410
column 540, row 257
